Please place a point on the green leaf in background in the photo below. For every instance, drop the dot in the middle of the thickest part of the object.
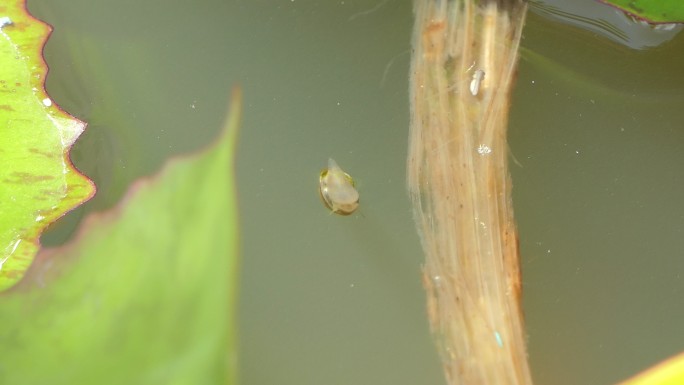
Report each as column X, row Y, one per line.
column 145, row 294
column 654, row 11
column 38, row 183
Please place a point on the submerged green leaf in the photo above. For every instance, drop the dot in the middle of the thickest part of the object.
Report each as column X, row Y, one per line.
column 654, row 11
column 145, row 294
column 38, row 183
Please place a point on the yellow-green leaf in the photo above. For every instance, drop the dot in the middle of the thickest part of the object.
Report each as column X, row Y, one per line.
column 38, row 183
column 146, row 292
column 668, row 372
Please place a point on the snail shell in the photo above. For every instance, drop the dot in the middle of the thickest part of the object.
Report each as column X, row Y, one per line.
column 337, row 190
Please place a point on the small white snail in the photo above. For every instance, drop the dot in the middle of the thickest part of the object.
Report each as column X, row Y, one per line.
column 337, row 190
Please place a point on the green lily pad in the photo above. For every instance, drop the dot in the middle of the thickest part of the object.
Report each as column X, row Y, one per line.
column 144, row 294
column 38, row 183
column 653, row 11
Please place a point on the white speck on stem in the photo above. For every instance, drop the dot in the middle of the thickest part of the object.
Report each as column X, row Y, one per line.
column 483, row 149
column 499, row 341
column 478, row 76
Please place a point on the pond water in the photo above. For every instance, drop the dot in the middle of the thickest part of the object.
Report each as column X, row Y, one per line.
column 596, row 128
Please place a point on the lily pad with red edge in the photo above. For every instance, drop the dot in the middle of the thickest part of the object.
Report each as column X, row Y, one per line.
column 38, row 182
column 652, row 11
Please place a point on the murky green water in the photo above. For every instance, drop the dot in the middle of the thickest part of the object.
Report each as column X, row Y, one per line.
column 598, row 203
column 596, row 127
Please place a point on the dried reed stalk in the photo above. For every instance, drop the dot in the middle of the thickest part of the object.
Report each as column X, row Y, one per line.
column 464, row 59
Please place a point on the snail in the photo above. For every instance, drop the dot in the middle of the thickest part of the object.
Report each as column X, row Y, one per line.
column 337, row 190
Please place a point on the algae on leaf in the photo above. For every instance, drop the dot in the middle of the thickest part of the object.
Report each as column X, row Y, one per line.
column 144, row 294
column 38, row 183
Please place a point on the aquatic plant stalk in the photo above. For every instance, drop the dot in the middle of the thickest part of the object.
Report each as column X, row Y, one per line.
column 462, row 70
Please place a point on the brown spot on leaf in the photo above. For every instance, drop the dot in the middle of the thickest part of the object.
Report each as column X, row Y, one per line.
column 27, row 177
column 49, row 155
column 21, row 26
column 53, row 193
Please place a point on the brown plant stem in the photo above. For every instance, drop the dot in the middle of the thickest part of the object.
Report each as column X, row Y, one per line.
column 464, row 59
